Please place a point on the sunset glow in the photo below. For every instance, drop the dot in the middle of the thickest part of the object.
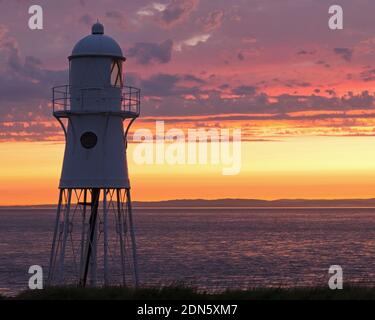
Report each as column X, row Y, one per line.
column 302, row 95
column 303, row 167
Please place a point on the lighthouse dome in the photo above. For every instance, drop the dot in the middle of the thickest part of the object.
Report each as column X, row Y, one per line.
column 97, row 44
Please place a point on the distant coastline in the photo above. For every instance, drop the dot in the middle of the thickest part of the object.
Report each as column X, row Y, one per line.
column 240, row 203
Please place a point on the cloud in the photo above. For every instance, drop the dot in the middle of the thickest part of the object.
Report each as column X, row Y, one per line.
column 212, row 21
column 344, row 53
column 149, row 52
column 245, row 99
column 323, row 63
column 177, row 11
column 240, row 56
column 170, row 14
column 244, row 90
column 86, row 19
column 368, row 75
column 117, row 17
column 160, row 85
column 24, row 84
column 151, row 10
column 114, row 14
column 331, row 92
column 170, row 85
column 27, row 72
column 293, row 83
column 192, row 78
column 193, row 41
column 306, row 52
column 30, row 131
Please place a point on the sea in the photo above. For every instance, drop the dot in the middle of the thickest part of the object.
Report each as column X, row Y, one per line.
column 215, row 249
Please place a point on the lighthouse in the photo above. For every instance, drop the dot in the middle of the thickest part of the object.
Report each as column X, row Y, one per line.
column 94, row 239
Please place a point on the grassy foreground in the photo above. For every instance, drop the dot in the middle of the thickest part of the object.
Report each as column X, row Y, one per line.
column 186, row 293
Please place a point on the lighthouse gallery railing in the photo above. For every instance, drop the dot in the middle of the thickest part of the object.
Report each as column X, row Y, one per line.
column 129, row 99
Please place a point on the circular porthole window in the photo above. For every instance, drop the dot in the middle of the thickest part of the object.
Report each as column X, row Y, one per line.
column 89, row 140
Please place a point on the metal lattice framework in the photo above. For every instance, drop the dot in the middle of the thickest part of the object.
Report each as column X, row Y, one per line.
column 94, row 235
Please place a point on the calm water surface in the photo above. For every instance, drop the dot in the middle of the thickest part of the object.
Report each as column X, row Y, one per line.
column 215, row 248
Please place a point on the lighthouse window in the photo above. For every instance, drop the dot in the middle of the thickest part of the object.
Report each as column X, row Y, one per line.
column 89, row 140
column 116, row 73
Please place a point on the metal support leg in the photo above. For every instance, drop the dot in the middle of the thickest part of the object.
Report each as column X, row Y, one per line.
column 105, row 231
column 65, row 236
column 53, row 253
column 121, row 235
column 83, row 231
column 132, row 236
column 90, row 246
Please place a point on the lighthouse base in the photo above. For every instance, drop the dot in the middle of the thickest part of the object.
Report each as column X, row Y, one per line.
column 94, row 241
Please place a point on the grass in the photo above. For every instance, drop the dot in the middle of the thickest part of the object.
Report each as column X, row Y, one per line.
column 188, row 293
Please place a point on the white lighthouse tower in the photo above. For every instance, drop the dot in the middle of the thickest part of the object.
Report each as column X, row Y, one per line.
column 94, row 241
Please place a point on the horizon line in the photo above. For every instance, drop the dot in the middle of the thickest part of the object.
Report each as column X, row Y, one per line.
column 214, row 200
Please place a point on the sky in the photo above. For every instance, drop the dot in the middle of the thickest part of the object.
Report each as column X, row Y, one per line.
column 301, row 93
